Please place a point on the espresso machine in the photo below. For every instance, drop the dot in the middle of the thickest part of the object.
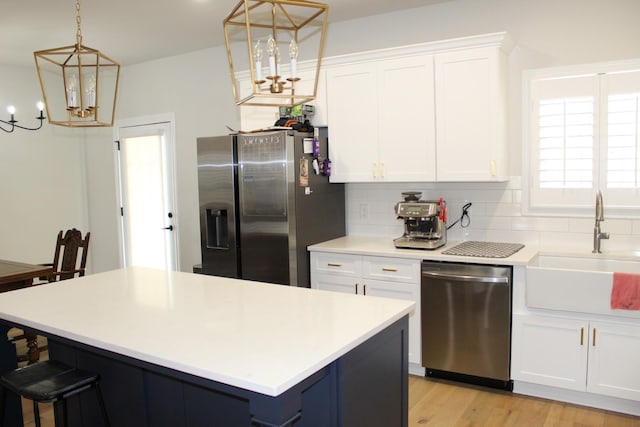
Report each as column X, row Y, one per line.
column 424, row 222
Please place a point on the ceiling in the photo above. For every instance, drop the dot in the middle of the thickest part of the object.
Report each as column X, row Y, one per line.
column 133, row 31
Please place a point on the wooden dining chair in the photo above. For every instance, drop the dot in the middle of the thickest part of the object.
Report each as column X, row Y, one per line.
column 70, row 257
column 69, row 261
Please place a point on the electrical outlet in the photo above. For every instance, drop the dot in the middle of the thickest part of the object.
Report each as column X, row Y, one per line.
column 364, row 211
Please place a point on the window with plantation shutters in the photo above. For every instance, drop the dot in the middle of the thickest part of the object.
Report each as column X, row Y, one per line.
column 566, row 143
column 623, row 154
column 582, row 134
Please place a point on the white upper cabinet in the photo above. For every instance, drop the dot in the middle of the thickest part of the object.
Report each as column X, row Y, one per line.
column 431, row 112
column 352, row 112
column 471, row 115
column 406, row 125
column 381, row 120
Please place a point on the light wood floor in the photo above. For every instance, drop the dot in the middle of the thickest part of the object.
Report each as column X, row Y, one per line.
column 435, row 402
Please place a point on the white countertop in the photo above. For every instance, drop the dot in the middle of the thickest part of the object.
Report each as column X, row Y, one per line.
column 383, row 246
column 260, row 337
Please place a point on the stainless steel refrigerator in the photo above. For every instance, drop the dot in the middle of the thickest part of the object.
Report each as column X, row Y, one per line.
column 264, row 197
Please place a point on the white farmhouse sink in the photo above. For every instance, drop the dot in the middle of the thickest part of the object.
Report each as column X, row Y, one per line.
column 627, row 262
column 577, row 282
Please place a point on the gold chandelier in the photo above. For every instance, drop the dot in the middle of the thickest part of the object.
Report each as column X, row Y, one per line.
column 79, row 84
column 256, row 31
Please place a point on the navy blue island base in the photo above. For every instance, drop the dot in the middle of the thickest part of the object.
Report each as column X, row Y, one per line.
column 368, row 386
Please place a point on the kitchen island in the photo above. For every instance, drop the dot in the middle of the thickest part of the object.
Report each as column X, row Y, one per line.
column 182, row 349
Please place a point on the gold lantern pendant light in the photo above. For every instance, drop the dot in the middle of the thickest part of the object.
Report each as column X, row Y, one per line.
column 256, row 31
column 79, row 84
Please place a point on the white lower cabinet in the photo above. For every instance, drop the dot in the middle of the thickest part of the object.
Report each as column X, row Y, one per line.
column 374, row 276
column 577, row 354
column 614, row 360
column 548, row 351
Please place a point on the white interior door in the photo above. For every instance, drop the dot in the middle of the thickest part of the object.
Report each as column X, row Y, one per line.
column 146, row 173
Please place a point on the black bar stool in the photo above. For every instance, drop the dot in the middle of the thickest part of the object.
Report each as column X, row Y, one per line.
column 49, row 382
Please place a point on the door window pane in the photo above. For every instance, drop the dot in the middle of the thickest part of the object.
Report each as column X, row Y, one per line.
column 144, row 216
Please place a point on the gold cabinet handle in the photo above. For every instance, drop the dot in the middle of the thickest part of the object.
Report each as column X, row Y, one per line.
column 381, row 170
column 594, row 337
column 390, row 270
column 582, row 336
column 330, row 264
column 373, row 169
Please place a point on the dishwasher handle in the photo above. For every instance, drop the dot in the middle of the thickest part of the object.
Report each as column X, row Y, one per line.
column 465, row 277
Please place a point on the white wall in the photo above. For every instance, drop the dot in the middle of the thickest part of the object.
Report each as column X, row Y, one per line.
column 42, row 175
column 196, row 87
column 101, row 198
column 556, row 32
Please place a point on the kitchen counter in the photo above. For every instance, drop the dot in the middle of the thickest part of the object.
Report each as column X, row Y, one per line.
column 383, row 246
column 256, row 337
column 563, row 303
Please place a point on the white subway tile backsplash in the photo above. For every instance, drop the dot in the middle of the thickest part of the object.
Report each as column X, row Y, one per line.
column 495, row 214
column 616, row 226
column 541, row 224
column 492, row 223
column 515, row 183
column 504, row 209
column 559, row 241
column 581, row 225
column 517, row 196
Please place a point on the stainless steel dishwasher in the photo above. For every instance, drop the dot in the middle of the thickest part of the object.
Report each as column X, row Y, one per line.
column 466, row 322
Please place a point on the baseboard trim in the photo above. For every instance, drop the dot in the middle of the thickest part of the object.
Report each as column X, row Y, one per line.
column 578, row 398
